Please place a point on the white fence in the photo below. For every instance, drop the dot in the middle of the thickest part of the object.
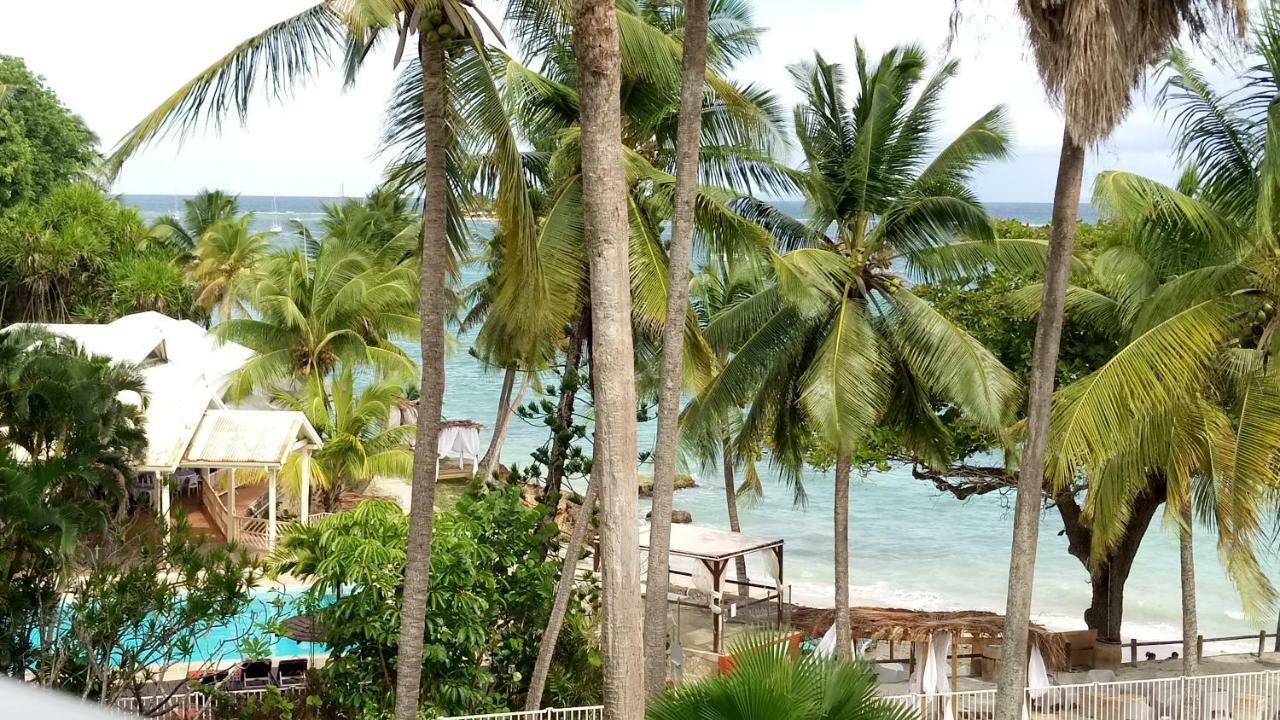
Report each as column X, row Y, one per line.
column 193, row 705
column 1243, row 696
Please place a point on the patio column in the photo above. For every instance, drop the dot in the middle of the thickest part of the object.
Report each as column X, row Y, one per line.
column 304, row 501
column 163, row 502
column 271, row 511
column 231, row 506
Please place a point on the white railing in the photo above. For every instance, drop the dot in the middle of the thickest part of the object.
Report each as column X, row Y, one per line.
column 213, row 503
column 1240, row 696
column 193, row 705
column 590, row 712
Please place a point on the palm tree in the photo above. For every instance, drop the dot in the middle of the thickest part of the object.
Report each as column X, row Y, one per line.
column 289, row 52
column 680, row 250
column 358, row 444
column 313, row 315
column 604, row 219
column 768, row 681
column 1090, row 54
column 199, row 213
column 227, row 253
column 836, row 344
column 1193, row 292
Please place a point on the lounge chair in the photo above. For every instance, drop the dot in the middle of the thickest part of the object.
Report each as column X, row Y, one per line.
column 256, row 673
column 291, row 673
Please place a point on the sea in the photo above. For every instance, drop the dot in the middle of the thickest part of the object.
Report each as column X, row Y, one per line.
column 911, row 545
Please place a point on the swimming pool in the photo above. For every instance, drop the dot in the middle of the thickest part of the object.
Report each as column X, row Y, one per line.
column 222, row 643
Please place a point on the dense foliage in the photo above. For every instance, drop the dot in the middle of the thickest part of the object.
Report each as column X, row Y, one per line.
column 491, row 592
column 42, row 143
column 92, row 600
column 77, row 254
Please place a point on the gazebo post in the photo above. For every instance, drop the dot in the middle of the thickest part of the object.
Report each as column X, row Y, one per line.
column 955, row 662
column 231, row 507
column 271, row 510
column 304, row 499
column 781, row 583
column 717, row 597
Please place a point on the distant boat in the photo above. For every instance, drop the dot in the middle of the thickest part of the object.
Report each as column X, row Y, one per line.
column 275, row 222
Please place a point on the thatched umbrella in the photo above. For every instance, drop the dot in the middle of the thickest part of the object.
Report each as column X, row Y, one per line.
column 1091, row 54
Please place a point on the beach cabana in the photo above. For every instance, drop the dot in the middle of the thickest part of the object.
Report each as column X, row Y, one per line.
column 709, row 552
column 935, row 639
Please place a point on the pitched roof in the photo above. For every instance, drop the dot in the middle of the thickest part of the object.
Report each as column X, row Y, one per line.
column 186, row 370
column 259, row 438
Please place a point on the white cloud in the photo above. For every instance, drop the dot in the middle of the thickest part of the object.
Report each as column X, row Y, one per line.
column 112, row 62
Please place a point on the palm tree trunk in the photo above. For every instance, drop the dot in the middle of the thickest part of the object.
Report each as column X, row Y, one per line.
column 564, row 591
column 506, row 408
column 1026, row 518
column 844, row 632
column 1186, row 556
column 596, row 45
column 431, row 308
column 731, row 501
column 688, row 141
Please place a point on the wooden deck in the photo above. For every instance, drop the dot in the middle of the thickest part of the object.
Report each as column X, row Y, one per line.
column 202, row 525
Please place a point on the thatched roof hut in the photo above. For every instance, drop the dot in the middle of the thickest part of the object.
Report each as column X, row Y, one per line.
column 899, row 624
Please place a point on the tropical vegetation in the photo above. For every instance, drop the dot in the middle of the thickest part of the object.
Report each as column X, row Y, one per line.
column 896, row 323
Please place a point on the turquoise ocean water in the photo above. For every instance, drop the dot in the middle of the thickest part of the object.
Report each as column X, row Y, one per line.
column 911, row 545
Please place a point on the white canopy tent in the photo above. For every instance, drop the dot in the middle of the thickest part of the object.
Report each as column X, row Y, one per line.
column 709, row 552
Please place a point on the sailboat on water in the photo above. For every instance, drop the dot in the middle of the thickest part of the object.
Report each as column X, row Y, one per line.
column 275, row 218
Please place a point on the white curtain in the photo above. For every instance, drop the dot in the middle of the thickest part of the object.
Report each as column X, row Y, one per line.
column 459, row 441
column 827, row 645
column 931, row 674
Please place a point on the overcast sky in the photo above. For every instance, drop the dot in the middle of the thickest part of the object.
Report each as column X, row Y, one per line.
column 113, row 61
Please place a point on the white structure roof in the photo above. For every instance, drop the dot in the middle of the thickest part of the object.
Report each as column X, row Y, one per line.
column 706, row 543
column 248, row 438
column 186, row 369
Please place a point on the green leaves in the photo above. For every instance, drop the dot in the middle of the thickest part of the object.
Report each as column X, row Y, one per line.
column 845, row 385
column 1095, row 418
column 768, row 681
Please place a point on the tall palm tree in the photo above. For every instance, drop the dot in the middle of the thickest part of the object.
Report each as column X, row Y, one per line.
column 314, row 314
column 199, row 213
column 290, row 51
column 596, row 45
column 358, row 444
column 227, row 253
column 836, row 344
column 680, row 250
column 1090, row 54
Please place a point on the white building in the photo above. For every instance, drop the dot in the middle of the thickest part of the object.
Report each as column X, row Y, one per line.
column 199, row 445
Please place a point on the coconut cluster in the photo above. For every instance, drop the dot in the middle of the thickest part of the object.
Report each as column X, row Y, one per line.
column 439, row 29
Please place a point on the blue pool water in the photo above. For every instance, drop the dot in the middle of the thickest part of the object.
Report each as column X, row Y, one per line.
column 273, row 606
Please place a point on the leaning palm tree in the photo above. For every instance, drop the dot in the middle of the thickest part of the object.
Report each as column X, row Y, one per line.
column 836, row 343
column 358, row 444
column 1090, row 54
column 227, row 254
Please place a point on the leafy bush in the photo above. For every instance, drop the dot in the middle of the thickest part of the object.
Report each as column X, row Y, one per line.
column 491, row 593
column 769, row 683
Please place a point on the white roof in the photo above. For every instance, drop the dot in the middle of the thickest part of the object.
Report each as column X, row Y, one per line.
column 257, row 438
column 705, row 543
column 186, row 370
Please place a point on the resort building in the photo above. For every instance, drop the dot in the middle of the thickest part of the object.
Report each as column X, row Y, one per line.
column 221, row 461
